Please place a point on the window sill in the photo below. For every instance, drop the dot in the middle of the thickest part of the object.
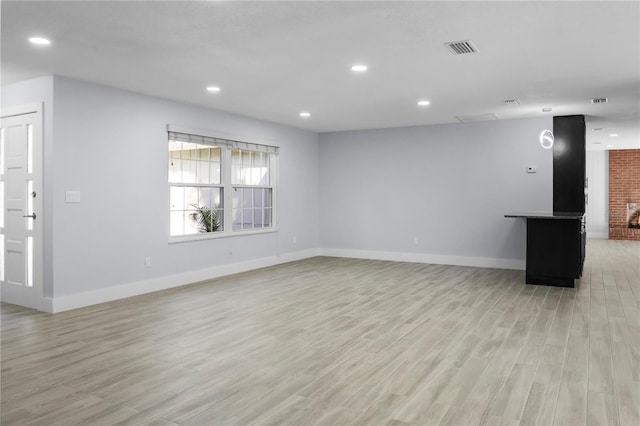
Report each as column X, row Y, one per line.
column 217, row 235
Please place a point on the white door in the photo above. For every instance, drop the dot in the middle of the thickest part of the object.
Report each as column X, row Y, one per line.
column 21, row 213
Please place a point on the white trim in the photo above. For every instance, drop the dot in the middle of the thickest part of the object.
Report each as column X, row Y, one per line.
column 600, row 235
column 103, row 295
column 437, row 259
column 88, row 298
column 177, row 239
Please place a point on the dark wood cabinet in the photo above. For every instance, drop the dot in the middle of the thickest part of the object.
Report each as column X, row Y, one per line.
column 555, row 249
column 569, row 163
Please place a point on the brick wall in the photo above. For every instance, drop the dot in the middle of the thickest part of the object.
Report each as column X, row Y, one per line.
column 624, row 187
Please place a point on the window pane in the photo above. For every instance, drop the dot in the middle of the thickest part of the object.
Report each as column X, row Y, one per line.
column 204, row 219
column 176, row 220
column 214, row 173
column 175, row 170
column 191, row 221
column 217, row 197
column 237, row 198
column 247, row 198
column 258, row 218
column 30, row 203
column 264, row 176
column 176, row 198
column 204, row 197
column 190, row 196
column 246, row 158
column 220, row 213
column 188, row 146
column 236, row 176
column 29, row 261
column 203, row 171
column 267, row 217
column 189, row 168
column 29, row 148
column 247, row 219
column 267, row 197
column 259, row 159
column 215, row 154
column 235, row 156
column 237, row 219
column 258, row 198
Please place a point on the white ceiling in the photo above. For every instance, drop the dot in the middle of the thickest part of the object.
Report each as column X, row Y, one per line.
column 273, row 60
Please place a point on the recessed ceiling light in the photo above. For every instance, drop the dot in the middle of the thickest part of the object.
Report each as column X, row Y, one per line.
column 546, row 109
column 305, row 114
column 613, row 135
column 423, row 103
column 213, row 89
column 41, row 41
column 609, row 146
column 359, row 68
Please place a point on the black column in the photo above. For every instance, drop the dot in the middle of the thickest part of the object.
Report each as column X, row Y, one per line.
column 569, row 163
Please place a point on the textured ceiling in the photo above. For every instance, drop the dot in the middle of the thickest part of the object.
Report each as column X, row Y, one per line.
column 273, row 60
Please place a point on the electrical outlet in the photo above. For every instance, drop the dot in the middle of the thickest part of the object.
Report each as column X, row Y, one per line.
column 294, row 240
column 147, row 262
column 415, row 241
column 531, row 169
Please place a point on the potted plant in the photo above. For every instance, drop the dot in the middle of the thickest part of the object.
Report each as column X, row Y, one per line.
column 207, row 219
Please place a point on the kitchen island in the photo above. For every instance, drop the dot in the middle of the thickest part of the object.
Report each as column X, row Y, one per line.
column 555, row 247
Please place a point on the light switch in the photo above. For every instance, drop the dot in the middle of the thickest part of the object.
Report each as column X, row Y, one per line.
column 72, row 196
column 531, row 169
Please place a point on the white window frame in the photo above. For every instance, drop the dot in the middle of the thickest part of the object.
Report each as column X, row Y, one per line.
column 227, row 186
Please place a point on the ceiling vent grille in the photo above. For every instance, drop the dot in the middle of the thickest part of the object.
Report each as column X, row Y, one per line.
column 599, row 100
column 512, row 102
column 461, row 47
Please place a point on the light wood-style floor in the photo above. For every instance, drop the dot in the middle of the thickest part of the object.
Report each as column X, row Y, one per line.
column 340, row 341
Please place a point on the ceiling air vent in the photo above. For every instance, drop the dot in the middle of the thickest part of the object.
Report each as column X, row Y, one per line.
column 461, row 47
column 599, row 100
column 512, row 102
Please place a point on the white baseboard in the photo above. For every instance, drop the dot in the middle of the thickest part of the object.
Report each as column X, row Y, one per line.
column 88, row 298
column 602, row 235
column 481, row 262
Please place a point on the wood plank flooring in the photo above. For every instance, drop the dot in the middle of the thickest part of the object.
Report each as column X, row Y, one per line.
column 339, row 341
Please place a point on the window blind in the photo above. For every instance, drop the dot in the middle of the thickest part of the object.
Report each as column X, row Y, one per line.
column 215, row 141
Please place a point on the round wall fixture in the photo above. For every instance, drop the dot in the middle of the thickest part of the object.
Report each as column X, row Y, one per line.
column 546, row 139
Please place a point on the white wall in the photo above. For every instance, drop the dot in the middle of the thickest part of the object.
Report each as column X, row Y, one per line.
column 447, row 185
column 111, row 145
column 364, row 193
column 598, row 194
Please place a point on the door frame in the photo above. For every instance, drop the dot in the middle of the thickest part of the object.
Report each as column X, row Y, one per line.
column 36, row 108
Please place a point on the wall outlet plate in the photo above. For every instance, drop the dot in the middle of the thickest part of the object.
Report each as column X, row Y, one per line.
column 532, row 169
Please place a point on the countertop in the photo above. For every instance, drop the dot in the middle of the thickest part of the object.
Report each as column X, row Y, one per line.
column 546, row 215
